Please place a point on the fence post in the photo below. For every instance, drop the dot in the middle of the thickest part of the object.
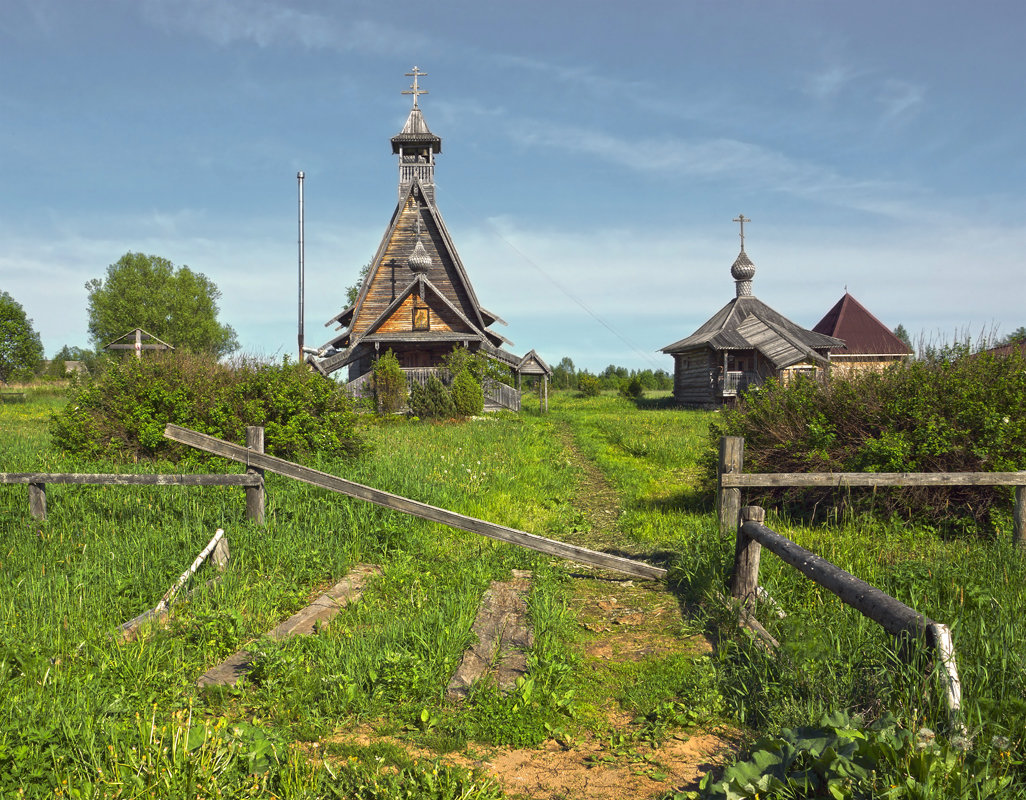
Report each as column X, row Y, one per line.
column 1019, row 517
column 744, row 580
column 37, row 500
column 255, row 494
column 728, row 501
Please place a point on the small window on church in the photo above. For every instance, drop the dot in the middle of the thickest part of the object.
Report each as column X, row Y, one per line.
column 421, row 315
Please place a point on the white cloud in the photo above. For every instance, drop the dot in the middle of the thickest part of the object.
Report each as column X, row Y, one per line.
column 900, row 99
column 267, row 24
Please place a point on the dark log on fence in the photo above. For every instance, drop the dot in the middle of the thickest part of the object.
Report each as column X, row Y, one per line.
column 414, row 508
column 728, row 502
column 129, row 480
column 893, row 615
column 255, row 494
column 846, row 479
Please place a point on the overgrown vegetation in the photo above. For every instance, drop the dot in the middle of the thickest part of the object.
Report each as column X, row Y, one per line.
column 390, row 391
column 337, row 713
column 954, row 412
column 121, row 414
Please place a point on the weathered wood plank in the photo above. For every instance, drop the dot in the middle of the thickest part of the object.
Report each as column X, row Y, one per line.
column 846, row 479
column 128, row 480
column 255, row 501
column 37, row 500
column 413, row 507
column 893, row 615
column 503, row 637
column 1019, row 517
column 732, row 457
column 744, row 580
column 302, row 623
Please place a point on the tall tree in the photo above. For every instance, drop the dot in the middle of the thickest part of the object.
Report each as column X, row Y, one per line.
column 149, row 292
column 902, row 334
column 20, row 347
column 1018, row 336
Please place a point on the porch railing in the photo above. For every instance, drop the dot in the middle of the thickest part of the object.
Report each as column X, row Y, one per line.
column 734, row 382
column 496, row 394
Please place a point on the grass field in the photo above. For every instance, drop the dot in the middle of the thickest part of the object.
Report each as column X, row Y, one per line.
column 359, row 711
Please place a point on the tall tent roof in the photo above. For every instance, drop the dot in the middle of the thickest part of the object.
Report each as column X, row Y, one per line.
column 863, row 333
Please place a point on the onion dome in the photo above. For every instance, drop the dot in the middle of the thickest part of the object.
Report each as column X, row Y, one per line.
column 743, row 271
column 419, row 260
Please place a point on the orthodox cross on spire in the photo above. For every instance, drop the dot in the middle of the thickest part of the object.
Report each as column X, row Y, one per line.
column 739, row 218
column 415, row 89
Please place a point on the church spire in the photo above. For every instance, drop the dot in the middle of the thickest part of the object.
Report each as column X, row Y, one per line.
column 416, row 145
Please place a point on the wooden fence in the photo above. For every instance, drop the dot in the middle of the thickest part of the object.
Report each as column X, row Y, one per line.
column 731, row 479
column 258, row 460
column 890, row 613
column 252, row 480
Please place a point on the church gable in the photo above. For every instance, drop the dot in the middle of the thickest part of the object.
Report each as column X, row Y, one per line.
column 427, row 313
column 416, row 243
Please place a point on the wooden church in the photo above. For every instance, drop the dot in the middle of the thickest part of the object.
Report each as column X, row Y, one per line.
column 742, row 345
column 416, row 298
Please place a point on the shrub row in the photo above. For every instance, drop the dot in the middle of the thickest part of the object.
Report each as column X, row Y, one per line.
column 122, row 413
column 956, row 412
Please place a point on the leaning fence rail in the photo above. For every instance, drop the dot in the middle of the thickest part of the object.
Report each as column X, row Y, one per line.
column 731, row 479
column 890, row 613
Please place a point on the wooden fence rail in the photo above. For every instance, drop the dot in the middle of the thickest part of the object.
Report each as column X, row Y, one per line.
column 890, row 613
column 731, row 479
column 252, row 480
column 314, row 477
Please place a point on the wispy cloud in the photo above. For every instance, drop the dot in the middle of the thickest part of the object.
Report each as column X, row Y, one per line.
column 268, row 24
column 900, row 99
column 830, row 81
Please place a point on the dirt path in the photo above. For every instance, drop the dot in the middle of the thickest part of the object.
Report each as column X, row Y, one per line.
column 619, row 622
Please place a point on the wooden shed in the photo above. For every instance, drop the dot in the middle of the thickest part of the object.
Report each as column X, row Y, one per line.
column 742, row 345
column 416, row 299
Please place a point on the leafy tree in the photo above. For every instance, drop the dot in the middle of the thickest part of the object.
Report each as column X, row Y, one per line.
column 1018, row 336
column 564, row 375
column 352, row 292
column 21, row 350
column 589, row 385
column 902, row 334
column 149, row 292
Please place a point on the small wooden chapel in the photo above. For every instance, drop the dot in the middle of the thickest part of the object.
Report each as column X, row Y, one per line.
column 416, row 298
column 743, row 344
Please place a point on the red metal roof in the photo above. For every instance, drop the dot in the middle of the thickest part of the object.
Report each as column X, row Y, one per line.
column 863, row 333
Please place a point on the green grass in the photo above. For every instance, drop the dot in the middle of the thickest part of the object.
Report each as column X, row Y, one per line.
column 79, row 711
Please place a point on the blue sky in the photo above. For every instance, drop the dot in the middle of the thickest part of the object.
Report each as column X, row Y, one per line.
column 594, row 155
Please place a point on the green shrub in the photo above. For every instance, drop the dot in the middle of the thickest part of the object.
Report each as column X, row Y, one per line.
column 632, row 389
column 956, row 412
column 467, row 394
column 122, row 412
column 390, row 390
column 432, row 400
column 588, row 385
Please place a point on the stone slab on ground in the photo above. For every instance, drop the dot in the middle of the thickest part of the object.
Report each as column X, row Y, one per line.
column 303, row 623
column 504, row 636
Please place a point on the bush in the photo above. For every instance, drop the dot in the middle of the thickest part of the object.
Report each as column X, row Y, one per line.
column 390, row 389
column 467, row 394
column 632, row 389
column 955, row 412
column 432, row 400
column 588, row 385
column 122, row 412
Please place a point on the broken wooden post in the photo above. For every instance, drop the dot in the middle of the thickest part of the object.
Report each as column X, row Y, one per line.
column 255, row 494
column 1019, row 517
column 728, row 500
column 37, row 500
column 744, row 580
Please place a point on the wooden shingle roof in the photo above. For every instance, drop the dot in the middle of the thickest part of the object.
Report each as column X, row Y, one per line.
column 747, row 323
